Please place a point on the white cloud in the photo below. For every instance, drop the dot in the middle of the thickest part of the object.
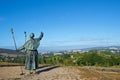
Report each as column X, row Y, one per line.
column 87, row 41
column 92, row 39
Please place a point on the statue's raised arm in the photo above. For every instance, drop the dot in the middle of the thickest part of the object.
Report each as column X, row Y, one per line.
column 41, row 35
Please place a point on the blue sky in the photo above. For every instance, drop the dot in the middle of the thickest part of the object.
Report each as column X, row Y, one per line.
column 65, row 23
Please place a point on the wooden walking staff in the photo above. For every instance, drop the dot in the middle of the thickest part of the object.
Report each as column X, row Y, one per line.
column 16, row 48
column 13, row 38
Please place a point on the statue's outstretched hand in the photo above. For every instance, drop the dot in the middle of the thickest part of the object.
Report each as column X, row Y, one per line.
column 42, row 33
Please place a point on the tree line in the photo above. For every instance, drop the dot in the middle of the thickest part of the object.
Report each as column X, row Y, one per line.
column 90, row 58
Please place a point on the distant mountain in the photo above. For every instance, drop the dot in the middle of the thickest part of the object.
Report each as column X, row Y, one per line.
column 54, row 49
column 9, row 51
column 102, row 48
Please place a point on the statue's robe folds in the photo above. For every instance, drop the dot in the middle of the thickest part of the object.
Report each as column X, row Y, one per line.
column 30, row 48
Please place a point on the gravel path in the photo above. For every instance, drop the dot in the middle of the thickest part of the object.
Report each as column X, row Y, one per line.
column 57, row 73
column 44, row 73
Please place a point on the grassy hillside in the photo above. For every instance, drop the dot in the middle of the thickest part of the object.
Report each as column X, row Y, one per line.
column 9, row 51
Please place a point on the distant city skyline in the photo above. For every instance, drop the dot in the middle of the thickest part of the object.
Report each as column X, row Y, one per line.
column 65, row 23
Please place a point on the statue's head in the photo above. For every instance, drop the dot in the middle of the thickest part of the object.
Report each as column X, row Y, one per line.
column 32, row 35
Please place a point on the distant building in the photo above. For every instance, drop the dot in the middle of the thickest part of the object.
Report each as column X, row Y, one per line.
column 58, row 53
column 114, row 50
column 77, row 51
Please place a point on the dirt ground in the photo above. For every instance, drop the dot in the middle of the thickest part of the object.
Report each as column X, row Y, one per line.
column 56, row 73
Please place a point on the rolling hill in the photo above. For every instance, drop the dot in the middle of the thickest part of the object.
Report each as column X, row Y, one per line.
column 9, row 51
